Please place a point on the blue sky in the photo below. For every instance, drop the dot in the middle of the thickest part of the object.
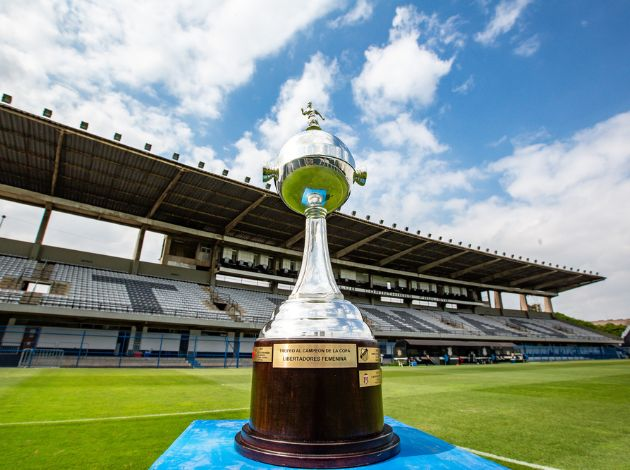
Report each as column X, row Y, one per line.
column 504, row 124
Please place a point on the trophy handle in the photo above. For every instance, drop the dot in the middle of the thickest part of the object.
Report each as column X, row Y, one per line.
column 360, row 176
column 269, row 174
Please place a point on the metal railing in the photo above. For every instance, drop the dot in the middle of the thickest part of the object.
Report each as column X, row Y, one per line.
column 43, row 346
column 41, row 358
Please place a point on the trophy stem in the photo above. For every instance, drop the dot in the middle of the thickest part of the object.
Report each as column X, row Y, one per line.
column 316, row 281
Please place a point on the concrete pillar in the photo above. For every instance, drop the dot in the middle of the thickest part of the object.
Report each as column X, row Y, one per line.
column 166, row 248
column 524, row 306
column 132, row 338
column 547, row 305
column 214, row 263
column 523, row 300
column 138, row 250
column 498, row 301
column 41, row 232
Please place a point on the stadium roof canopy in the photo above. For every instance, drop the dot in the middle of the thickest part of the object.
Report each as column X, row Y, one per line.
column 46, row 163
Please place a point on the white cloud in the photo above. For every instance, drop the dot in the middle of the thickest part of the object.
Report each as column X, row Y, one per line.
column 403, row 131
column 438, row 34
column 465, row 87
column 592, row 154
column 404, row 177
column 565, row 202
column 530, row 137
column 528, row 47
column 199, row 52
column 250, row 159
column 505, row 16
column 382, row 88
column 500, row 141
column 361, row 12
column 410, row 189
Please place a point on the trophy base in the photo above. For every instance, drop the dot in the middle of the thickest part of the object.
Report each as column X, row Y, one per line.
column 317, row 404
column 338, row 454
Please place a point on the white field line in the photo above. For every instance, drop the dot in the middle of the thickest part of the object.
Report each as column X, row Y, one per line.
column 507, row 459
column 118, row 418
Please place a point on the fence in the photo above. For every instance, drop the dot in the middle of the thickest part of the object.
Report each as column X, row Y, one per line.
column 49, row 346
column 41, row 358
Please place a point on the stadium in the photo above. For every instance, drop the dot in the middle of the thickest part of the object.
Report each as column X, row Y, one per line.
column 231, row 254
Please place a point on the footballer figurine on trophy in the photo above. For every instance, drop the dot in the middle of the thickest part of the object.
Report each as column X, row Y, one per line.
column 316, row 388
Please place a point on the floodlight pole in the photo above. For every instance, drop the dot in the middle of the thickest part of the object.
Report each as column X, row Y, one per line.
column 2, row 220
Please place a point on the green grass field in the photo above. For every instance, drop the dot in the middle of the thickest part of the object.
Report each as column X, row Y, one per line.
column 565, row 415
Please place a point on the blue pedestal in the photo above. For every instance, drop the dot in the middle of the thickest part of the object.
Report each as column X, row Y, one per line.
column 210, row 445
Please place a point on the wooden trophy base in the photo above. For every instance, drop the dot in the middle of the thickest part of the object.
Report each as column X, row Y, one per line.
column 317, row 404
column 338, row 454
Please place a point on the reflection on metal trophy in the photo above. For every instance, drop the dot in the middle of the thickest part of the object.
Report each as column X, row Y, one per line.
column 316, row 388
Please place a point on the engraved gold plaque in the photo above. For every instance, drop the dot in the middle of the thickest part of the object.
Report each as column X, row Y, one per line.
column 262, row 354
column 369, row 378
column 369, row 355
column 315, row 355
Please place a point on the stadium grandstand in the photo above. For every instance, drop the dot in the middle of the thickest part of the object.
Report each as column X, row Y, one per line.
column 231, row 254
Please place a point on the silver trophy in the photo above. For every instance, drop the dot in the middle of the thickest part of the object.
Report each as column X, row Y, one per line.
column 314, row 175
column 316, row 397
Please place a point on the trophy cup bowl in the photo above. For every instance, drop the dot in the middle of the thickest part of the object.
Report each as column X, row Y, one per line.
column 316, row 397
column 315, row 159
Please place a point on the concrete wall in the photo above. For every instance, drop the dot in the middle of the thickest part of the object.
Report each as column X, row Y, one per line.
column 173, row 272
column 487, row 311
column 81, row 258
column 57, row 338
column 543, row 315
column 151, row 341
column 205, row 344
column 515, row 313
column 14, row 247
